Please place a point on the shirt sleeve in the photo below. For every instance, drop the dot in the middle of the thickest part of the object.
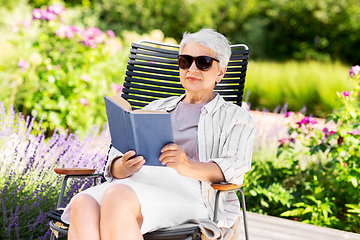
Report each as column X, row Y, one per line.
column 113, row 153
column 236, row 153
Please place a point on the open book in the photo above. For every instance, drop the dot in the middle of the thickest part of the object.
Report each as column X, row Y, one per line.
column 144, row 131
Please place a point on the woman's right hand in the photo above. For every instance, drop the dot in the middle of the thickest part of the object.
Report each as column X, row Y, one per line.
column 127, row 165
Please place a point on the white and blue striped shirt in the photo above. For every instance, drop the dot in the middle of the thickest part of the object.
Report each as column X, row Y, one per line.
column 226, row 134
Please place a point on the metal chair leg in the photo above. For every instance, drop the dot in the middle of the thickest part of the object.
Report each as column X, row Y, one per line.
column 244, row 212
column 52, row 236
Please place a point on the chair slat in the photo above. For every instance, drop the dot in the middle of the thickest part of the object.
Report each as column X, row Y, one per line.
column 145, row 89
column 151, row 76
column 154, row 54
column 152, row 73
column 154, row 65
column 153, row 70
column 161, row 50
column 152, row 59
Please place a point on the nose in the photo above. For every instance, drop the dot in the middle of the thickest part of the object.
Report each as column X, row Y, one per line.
column 193, row 67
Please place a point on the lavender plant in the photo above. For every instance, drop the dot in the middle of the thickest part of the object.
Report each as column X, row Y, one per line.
column 29, row 187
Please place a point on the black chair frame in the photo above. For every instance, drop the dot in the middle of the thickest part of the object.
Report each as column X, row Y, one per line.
column 152, row 73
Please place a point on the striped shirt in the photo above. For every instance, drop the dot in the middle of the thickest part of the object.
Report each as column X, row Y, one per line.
column 226, row 134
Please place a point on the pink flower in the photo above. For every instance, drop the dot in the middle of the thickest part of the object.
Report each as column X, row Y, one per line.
column 345, row 164
column 23, row 64
column 90, row 42
column 50, row 16
column 84, row 101
column 110, row 33
column 85, row 77
column 37, row 13
column 117, row 88
column 288, row 114
column 56, row 9
column 356, row 132
column 307, row 120
column 354, row 70
column 346, row 93
column 327, row 132
column 26, row 23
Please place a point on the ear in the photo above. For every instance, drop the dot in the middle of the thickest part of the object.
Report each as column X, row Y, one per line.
column 221, row 74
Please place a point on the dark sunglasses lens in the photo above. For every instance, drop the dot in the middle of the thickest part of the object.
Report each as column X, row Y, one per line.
column 203, row 63
column 185, row 61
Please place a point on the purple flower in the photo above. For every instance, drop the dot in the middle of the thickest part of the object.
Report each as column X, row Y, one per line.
column 327, row 132
column 307, row 120
column 354, row 70
column 23, row 64
column 36, row 13
column 346, row 93
column 288, row 114
column 110, row 33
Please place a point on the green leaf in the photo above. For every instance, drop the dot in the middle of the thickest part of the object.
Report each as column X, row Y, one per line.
column 354, row 181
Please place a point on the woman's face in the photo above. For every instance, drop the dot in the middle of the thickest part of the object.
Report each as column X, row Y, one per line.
column 195, row 81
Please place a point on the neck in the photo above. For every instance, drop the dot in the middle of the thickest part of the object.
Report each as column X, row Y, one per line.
column 193, row 98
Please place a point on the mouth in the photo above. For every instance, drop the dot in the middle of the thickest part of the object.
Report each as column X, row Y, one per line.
column 192, row 79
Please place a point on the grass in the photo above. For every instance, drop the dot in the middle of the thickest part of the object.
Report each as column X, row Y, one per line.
column 313, row 84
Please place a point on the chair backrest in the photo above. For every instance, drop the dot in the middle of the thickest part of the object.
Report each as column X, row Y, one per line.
column 152, row 73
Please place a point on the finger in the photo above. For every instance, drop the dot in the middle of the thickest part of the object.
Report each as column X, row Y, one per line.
column 167, row 160
column 128, row 155
column 169, row 147
column 134, row 161
column 168, row 153
column 137, row 166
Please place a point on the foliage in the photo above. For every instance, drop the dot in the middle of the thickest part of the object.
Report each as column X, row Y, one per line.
column 319, row 167
column 313, row 84
column 28, row 187
column 274, row 29
column 60, row 71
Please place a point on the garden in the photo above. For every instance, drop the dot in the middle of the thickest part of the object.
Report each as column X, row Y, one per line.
column 57, row 61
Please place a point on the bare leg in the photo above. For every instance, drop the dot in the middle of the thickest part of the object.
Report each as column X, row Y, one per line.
column 121, row 216
column 85, row 218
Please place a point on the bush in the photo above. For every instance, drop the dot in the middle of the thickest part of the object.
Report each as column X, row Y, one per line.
column 29, row 187
column 60, row 71
column 315, row 177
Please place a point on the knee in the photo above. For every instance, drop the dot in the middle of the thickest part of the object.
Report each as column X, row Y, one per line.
column 82, row 201
column 120, row 194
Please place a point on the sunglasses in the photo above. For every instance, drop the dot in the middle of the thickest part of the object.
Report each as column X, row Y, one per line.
column 203, row 63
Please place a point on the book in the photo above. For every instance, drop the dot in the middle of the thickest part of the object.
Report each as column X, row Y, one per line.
column 144, row 131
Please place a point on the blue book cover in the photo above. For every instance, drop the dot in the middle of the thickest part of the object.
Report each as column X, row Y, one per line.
column 144, row 131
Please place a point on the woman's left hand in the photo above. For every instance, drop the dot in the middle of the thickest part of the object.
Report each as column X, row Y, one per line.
column 175, row 157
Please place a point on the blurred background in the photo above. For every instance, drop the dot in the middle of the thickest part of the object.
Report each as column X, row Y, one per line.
column 300, row 51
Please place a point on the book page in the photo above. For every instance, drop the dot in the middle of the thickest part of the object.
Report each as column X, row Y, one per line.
column 121, row 102
column 140, row 111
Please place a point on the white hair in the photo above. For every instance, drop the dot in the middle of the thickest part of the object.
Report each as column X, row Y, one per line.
column 211, row 39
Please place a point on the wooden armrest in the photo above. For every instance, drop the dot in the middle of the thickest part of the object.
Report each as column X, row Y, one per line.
column 225, row 186
column 74, row 171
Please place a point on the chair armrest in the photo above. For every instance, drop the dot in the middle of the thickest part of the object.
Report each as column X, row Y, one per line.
column 224, row 186
column 74, row 171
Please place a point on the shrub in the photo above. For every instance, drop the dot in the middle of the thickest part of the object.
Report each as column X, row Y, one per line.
column 29, row 188
column 61, row 71
column 326, row 164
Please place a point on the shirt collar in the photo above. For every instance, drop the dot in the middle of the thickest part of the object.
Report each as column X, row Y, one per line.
column 210, row 107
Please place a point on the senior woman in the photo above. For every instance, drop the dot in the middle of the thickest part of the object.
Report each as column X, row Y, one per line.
column 213, row 143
